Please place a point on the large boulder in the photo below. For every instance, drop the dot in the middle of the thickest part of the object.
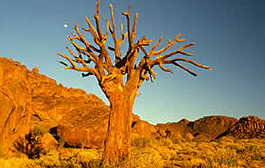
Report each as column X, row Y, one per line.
column 87, row 126
column 84, row 127
column 143, row 129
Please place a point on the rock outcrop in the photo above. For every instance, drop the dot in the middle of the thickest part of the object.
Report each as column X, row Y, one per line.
column 247, row 128
column 15, row 98
column 210, row 126
column 29, row 98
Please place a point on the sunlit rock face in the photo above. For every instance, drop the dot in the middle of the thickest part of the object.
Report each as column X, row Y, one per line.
column 28, row 98
column 15, row 98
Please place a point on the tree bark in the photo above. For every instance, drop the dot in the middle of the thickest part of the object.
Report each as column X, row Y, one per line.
column 118, row 142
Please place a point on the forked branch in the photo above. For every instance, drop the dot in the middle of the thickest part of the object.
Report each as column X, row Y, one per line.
column 146, row 64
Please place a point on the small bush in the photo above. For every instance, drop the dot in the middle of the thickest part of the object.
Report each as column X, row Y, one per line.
column 31, row 145
column 38, row 131
column 61, row 143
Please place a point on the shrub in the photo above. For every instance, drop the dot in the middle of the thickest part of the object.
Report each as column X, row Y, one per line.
column 31, row 145
column 37, row 131
column 61, row 142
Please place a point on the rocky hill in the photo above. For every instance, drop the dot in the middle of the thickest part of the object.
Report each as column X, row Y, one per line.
column 246, row 128
column 209, row 126
column 28, row 98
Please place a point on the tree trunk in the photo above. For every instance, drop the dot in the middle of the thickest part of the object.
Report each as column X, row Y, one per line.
column 118, row 141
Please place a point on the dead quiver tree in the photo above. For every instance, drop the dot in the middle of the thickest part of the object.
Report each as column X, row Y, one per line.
column 120, row 94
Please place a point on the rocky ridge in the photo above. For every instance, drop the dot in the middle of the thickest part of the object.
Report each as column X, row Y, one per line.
column 246, row 128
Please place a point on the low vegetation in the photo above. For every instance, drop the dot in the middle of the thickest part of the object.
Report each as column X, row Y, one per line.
column 31, row 144
column 156, row 153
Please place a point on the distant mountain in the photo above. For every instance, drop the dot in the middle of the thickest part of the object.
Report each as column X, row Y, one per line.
column 209, row 126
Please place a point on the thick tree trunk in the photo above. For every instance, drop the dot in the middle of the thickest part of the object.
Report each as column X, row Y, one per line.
column 118, row 141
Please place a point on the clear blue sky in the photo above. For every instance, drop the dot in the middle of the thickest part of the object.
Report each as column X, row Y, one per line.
column 229, row 37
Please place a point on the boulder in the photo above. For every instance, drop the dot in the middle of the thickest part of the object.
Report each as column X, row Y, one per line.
column 87, row 127
column 84, row 127
column 143, row 129
column 48, row 142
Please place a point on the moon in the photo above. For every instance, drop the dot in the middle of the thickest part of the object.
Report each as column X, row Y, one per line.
column 65, row 25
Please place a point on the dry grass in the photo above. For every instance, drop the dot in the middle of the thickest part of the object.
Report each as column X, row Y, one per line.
column 163, row 153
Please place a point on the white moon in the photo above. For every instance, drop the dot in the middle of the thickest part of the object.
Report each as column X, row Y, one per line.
column 65, row 25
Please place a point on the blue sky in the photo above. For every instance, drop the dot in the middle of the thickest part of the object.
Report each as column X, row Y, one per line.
column 229, row 37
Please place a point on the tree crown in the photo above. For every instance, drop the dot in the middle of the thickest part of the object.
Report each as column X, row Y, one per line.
column 97, row 55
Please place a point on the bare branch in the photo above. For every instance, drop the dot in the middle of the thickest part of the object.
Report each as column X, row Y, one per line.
column 163, row 68
column 86, row 74
column 71, row 52
column 134, row 27
column 151, row 53
column 61, row 62
column 128, row 27
column 113, row 24
column 85, row 68
column 179, row 51
column 98, row 7
column 186, row 69
column 189, row 61
column 117, row 43
column 92, row 31
column 98, row 27
column 155, row 45
column 75, row 45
